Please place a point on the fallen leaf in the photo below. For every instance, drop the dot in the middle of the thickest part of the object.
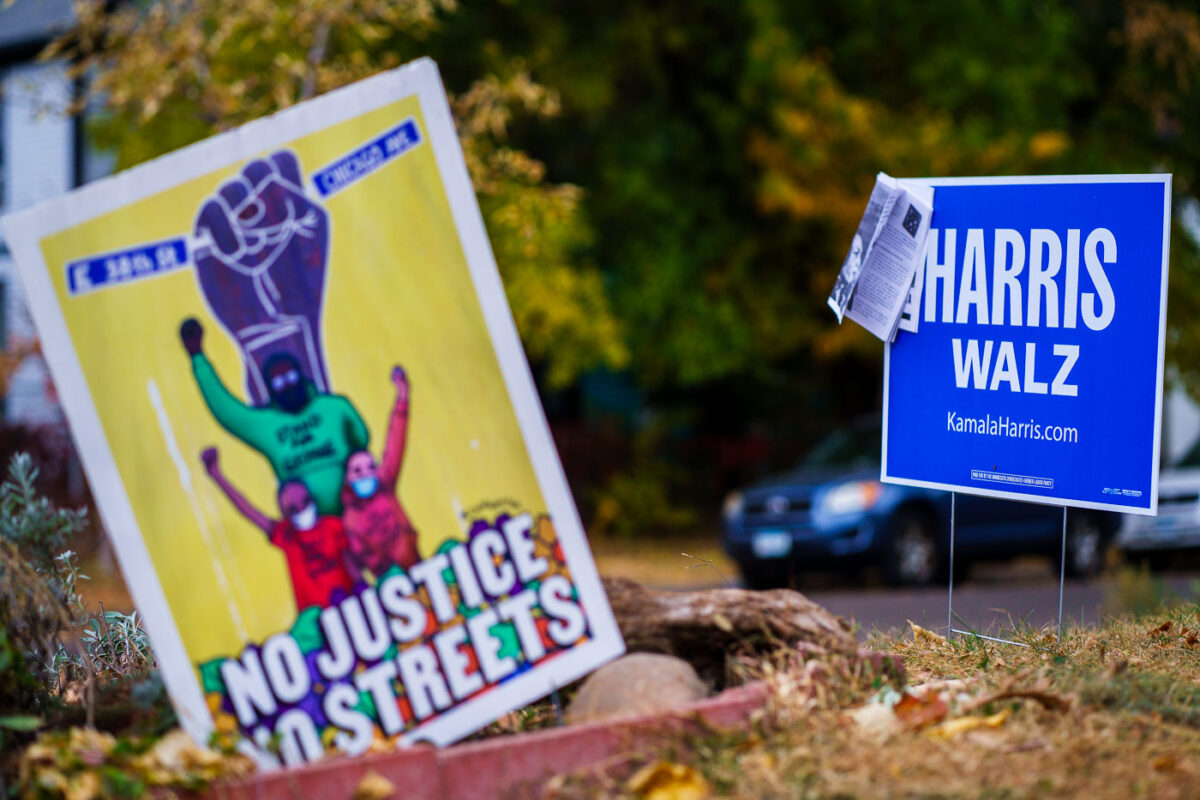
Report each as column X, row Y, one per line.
column 917, row 712
column 956, row 727
column 39, row 752
column 1116, row 668
column 90, row 745
column 373, row 786
column 1166, row 626
column 1166, row 763
column 664, row 780
column 876, row 720
column 176, row 754
column 921, row 634
column 50, row 780
column 84, row 786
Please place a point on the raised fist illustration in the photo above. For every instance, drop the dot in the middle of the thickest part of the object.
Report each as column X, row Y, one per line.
column 260, row 258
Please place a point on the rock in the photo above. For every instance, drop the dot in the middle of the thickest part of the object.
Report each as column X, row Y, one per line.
column 704, row 627
column 639, row 683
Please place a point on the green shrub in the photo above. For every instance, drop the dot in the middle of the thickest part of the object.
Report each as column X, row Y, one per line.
column 639, row 500
column 48, row 638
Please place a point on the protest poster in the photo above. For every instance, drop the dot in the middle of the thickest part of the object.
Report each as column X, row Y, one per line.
column 1031, row 367
column 288, row 363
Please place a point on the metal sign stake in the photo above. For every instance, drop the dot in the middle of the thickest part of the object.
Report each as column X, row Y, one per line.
column 950, row 599
column 1062, row 574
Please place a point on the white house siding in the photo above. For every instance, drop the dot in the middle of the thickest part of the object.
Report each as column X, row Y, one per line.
column 37, row 161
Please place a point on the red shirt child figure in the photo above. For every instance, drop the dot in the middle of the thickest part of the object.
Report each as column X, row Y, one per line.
column 377, row 529
column 314, row 546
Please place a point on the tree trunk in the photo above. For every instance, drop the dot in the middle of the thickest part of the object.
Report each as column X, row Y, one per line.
column 705, row 627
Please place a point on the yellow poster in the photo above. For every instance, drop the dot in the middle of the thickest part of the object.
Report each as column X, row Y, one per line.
column 287, row 360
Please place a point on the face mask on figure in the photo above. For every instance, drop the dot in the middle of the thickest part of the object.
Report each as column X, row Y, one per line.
column 286, row 383
column 298, row 505
column 362, row 475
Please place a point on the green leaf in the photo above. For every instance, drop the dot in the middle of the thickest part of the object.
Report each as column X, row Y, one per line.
column 118, row 784
column 21, row 722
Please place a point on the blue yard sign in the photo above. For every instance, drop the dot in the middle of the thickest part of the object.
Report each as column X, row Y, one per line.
column 1036, row 369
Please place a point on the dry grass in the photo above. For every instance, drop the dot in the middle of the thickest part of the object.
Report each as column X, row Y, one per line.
column 1112, row 712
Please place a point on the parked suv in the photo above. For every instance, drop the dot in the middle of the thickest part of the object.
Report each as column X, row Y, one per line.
column 1176, row 529
column 832, row 511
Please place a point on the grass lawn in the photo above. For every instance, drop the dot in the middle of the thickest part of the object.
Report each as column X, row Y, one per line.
column 1111, row 712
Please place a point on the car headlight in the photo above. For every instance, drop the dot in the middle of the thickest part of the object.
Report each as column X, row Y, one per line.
column 850, row 498
column 733, row 505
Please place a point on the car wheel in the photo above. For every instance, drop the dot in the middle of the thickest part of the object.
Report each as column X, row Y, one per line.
column 760, row 575
column 1087, row 545
column 913, row 556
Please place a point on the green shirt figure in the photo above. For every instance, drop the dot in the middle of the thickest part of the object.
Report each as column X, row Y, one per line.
column 304, row 435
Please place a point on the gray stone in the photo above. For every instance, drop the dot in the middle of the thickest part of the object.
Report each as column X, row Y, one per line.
column 639, row 683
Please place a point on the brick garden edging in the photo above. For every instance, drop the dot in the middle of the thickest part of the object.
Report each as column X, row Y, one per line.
column 518, row 763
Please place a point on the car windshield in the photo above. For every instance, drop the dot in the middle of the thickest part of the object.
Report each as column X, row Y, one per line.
column 853, row 446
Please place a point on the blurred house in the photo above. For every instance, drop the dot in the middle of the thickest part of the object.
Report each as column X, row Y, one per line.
column 43, row 152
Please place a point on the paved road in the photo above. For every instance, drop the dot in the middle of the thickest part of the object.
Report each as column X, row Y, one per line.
column 986, row 602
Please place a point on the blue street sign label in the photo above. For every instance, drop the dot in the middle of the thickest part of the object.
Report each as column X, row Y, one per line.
column 368, row 158
column 135, row 263
column 1037, row 367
